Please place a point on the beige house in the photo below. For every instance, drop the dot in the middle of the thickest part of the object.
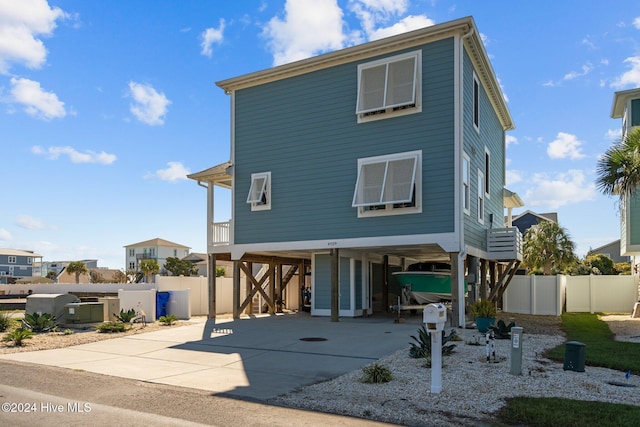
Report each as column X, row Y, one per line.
column 157, row 249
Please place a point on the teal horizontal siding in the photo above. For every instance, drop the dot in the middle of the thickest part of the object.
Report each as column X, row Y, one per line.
column 304, row 131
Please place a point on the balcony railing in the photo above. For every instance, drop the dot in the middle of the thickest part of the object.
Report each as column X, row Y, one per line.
column 504, row 244
column 220, row 233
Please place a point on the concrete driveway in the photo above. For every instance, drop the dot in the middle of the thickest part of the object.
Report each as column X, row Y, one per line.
column 251, row 358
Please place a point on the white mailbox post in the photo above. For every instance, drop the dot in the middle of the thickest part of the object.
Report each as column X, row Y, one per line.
column 434, row 316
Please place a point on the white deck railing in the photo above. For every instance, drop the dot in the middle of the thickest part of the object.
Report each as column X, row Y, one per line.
column 220, row 233
column 504, row 244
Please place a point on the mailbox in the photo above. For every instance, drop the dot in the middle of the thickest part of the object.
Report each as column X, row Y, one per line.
column 434, row 316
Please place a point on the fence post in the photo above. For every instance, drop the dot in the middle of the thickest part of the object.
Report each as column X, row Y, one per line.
column 591, row 294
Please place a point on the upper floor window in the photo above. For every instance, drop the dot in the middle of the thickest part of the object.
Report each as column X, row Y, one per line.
column 635, row 112
column 481, row 195
column 390, row 87
column 175, row 252
column 132, row 252
column 487, row 169
column 12, row 259
column 476, row 102
column 466, row 184
column 29, row 260
column 260, row 191
column 389, row 185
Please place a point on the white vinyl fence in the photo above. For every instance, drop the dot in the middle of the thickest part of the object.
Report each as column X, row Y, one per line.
column 548, row 295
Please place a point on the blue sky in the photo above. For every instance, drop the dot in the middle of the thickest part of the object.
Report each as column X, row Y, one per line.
column 105, row 106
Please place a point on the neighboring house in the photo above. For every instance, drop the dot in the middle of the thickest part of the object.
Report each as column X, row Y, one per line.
column 359, row 162
column 17, row 264
column 527, row 219
column 626, row 106
column 157, row 249
column 200, row 261
column 58, row 266
column 612, row 250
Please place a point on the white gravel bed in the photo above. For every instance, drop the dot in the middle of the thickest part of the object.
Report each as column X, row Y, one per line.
column 472, row 389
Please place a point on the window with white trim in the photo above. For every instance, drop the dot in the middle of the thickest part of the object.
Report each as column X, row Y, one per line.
column 476, row 102
column 260, row 191
column 480, row 196
column 390, row 87
column 487, row 170
column 466, row 184
column 12, row 259
column 389, row 185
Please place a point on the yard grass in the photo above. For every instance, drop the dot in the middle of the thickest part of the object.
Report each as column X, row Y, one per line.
column 601, row 350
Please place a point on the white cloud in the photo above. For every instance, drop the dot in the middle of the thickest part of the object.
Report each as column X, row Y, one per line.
column 21, row 24
column 510, row 139
column 148, row 105
column 636, row 23
column 565, row 146
column 513, row 177
column 175, row 172
column 29, row 222
column 630, row 77
column 409, row 23
column 586, row 69
column 309, row 27
column 36, row 102
column 5, row 235
column 373, row 13
column 75, row 156
column 613, row 135
column 211, row 36
column 560, row 190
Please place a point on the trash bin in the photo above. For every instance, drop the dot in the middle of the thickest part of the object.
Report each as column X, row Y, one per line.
column 574, row 356
column 162, row 300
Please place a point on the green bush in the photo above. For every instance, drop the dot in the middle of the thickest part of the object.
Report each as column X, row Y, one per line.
column 374, row 374
column 126, row 316
column 168, row 320
column 6, row 321
column 483, row 308
column 17, row 336
column 112, row 327
column 44, row 322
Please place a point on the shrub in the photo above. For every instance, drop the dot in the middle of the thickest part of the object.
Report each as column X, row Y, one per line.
column 423, row 346
column 44, row 322
column 6, row 321
column 168, row 320
column 18, row 336
column 112, row 327
column 126, row 316
column 375, row 374
column 483, row 308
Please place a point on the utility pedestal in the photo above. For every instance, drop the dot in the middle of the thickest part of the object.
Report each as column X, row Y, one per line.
column 516, row 350
column 434, row 316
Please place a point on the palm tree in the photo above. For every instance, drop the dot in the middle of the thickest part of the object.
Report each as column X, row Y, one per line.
column 618, row 170
column 77, row 268
column 548, row 246
column 149, row 267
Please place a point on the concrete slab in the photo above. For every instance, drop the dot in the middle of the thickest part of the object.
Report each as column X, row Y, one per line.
column 255, row 358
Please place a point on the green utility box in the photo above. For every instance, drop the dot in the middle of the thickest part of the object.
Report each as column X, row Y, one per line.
column 84, row 312
column 574, row 356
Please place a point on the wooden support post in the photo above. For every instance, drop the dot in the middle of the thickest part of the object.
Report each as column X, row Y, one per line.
column 236, row 289
column 493, row 279
column 335, row 283
column 455, row 291
column 278, row 296
column 212, row 286
column 385, row 283
column 247, row 286
column 301, row 284
column 272, row 287
column 483, row 279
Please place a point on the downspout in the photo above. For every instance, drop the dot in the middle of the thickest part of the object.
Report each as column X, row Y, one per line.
column 463, row 248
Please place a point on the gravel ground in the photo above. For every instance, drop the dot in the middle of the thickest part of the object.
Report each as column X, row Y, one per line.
column 472, row 388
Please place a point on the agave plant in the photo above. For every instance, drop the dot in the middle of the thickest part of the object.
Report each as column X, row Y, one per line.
column 125, row 316
column 18, row 336
column 501, row 330
column 422, row 346
column 44, row 322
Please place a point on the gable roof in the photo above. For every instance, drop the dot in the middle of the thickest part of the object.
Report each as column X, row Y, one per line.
column 158, row 242
column 551, row 216
column 460, row 27
column 620, row 100
column 18, row 252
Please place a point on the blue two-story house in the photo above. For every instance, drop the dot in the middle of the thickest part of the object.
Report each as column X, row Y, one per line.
column 17, row 264
column 359, row 162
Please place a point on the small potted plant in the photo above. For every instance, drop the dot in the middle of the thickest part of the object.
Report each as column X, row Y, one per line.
column 484, row 312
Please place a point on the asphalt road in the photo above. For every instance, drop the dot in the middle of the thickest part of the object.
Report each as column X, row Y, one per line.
column 43, row 395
